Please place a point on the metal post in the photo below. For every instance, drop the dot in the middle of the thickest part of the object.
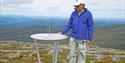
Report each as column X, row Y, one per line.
column 55, row 52
column 38, row 56
column 49, row 31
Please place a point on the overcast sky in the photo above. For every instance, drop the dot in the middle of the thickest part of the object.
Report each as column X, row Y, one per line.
column 99, row 8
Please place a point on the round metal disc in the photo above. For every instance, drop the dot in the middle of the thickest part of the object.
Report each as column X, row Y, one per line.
column 47, row 36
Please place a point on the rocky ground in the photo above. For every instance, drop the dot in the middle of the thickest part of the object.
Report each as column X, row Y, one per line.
column 25, row 52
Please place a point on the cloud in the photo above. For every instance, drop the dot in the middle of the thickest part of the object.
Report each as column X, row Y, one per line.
column 12, row 3
column 62, row 7
column 53, row 8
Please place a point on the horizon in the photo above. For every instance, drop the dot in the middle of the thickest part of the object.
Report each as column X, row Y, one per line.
column 66, row 17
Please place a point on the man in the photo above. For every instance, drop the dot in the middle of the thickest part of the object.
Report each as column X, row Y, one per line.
column 81, row 26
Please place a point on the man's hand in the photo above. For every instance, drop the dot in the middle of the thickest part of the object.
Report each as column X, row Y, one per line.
column 88, row 42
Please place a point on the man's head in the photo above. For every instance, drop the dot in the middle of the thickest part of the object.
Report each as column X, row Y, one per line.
column 79, row 6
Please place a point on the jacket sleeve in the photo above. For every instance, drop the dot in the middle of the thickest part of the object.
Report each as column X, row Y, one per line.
column 68, row 26
column 90, row 26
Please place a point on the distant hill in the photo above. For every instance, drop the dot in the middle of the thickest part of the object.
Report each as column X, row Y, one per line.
column 108, row 32
column 112, row 36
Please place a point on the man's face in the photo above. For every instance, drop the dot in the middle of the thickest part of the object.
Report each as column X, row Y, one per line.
column 79, row 7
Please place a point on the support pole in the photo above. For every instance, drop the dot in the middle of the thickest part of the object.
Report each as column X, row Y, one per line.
column 55, row 52
column 38, row 56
